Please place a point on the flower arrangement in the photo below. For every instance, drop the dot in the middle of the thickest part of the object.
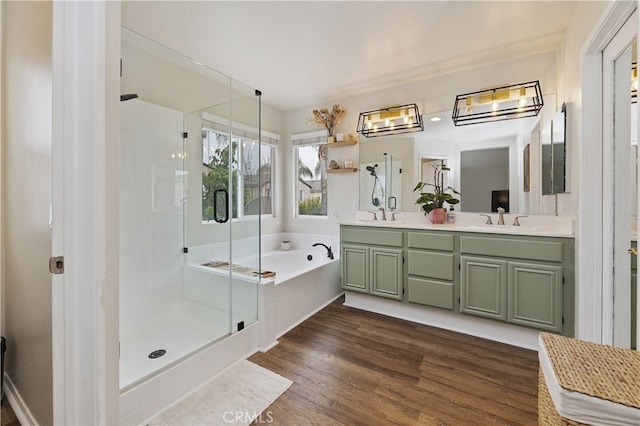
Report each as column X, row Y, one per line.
column 439, row 196
column 328, row 118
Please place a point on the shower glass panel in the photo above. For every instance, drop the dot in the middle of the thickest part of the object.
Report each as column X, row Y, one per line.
column 189, row 247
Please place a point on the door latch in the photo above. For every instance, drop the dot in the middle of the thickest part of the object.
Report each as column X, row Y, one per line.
column 56, row 265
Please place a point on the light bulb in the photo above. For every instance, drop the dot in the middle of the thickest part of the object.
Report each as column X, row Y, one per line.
column 468, row 109
column 523, row 97
column 406, row 119
column 369, row 124
column 386, row 121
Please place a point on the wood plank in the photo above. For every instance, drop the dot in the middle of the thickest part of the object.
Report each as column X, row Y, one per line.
column 352, row 367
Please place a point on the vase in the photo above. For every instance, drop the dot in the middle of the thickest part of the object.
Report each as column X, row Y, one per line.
column 438, row 215
column 331, row 139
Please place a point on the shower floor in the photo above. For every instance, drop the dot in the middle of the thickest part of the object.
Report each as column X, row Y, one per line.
column 178, row 331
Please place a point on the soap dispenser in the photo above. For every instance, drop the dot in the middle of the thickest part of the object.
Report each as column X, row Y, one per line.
column 451, row 215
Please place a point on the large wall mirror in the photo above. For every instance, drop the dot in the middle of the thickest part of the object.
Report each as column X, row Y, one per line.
column 486, row 162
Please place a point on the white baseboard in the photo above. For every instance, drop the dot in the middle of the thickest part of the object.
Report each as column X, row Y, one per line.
column 22, row 412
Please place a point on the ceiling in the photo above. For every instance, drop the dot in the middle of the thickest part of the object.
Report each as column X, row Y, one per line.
column 304, row 53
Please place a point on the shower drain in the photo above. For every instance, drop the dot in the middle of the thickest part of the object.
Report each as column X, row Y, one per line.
column 157, row 353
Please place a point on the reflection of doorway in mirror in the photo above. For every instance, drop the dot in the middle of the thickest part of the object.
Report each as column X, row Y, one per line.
column 427, row 165
column 482, row 173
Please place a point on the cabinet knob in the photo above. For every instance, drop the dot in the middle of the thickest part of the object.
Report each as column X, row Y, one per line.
column 633, row 251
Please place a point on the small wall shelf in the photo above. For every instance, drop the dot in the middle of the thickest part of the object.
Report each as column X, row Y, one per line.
column 343, row 143
column 343, row 170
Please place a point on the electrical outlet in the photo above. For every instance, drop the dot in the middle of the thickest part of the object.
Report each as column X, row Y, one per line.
column 355, row 205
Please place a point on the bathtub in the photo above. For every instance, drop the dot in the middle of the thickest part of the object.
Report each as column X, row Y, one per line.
column 300, row 288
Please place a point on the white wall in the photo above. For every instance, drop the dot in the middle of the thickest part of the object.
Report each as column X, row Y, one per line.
column 26, row 194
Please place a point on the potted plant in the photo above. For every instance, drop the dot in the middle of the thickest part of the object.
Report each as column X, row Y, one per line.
column 433, row 202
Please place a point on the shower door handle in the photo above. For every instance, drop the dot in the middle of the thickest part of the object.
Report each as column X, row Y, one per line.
column 221, row 196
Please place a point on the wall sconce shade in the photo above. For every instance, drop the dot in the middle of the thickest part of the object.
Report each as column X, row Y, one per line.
column 390, row 120
column 497, row 104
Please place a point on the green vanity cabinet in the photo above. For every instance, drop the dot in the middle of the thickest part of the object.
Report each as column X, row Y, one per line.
column 483, row 287
column 355, row 267
column 385, row 276
column 431, row 269
column 372, row 261
column 518, row 279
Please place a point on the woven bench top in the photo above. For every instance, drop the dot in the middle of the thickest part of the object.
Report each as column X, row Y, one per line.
column 601, row 371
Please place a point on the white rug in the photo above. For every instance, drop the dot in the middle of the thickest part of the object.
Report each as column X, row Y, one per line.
column 235, row 396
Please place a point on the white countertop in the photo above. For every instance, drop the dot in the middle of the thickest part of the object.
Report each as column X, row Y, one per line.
column 537, row 225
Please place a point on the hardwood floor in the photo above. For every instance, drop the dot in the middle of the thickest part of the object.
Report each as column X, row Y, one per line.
column 7, row 415
column 352, row 367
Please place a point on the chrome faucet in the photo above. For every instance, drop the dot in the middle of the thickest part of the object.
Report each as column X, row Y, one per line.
column 516, row 222
column 500, row 216
column 488, row 222
column 329, row 252
column 384, row 215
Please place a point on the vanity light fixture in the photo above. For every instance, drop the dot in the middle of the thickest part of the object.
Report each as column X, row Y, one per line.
column 391, row 120
column 497, row 104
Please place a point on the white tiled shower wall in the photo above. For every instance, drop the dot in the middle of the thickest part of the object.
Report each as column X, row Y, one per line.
column 151, row 201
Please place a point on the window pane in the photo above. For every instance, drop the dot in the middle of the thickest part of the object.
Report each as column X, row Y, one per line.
column 256, row 176
column 312, row 180
column 215, row 172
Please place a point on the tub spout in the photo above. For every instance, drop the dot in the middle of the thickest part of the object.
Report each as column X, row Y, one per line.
column 329, row 252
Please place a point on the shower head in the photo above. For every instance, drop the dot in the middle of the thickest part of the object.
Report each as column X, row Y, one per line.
column 372, row 169
column 128, row 97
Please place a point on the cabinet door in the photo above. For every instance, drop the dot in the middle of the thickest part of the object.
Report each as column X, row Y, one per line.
column 483, row 287
column 386, row 272
column 535, row 295
column 355, row 268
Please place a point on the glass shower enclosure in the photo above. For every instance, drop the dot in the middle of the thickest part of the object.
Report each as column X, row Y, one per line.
column 190, row 208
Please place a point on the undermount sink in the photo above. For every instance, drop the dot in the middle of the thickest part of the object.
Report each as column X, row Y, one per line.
column 503, row 228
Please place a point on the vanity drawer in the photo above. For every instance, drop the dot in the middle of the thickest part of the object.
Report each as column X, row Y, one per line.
column 431, row 264
column 521, row 248
column 430, row 293
column 431, row 240
column 371, row 235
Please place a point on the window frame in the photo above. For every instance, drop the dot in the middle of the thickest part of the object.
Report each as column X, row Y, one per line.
column 240, row 133
column 300, row 140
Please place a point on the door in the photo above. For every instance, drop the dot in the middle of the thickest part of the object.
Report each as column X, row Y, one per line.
column 535, row 295
column 355, row 268
column 386, row 272
column 618, row 59
column 483, row 287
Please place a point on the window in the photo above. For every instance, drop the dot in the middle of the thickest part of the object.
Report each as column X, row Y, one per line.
column 311, row 184
column 244, row 162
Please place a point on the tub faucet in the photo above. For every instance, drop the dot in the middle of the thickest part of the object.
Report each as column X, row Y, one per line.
column 329, row 252
column 384, row 215
column 500, row 216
